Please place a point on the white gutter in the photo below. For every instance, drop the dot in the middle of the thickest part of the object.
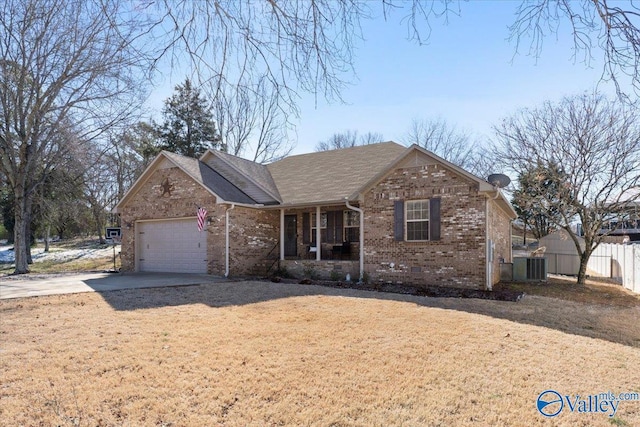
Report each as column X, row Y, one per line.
column 361, row 212
column 338, row 202
column 226, row 233
column 242, row 205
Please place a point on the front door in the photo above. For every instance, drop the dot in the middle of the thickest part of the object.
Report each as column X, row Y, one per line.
column 290, row 235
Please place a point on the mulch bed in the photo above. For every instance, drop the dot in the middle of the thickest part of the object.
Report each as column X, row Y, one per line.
column 423, row 290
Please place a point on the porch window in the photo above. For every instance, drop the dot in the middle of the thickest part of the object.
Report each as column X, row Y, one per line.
column 351, row 226
column 417, row 220
column 323, row 227
column 336, row 227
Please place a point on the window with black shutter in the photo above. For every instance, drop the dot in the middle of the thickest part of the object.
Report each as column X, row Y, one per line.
column 417, row 220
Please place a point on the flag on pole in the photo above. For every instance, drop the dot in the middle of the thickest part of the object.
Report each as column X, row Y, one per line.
column 202, row 215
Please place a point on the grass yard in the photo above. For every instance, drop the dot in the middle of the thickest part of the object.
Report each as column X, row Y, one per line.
column 68, row 256
column 257, row 353
column 70, row 266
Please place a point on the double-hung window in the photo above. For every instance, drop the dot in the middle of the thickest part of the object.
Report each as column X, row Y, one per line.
column 417, row 220
column 323, row 227
column 351, row 226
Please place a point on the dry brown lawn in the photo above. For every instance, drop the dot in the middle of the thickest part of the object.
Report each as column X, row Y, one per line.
column 254, row 353
column 595, row 291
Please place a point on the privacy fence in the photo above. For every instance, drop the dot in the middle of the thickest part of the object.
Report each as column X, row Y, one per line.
column 619, row 262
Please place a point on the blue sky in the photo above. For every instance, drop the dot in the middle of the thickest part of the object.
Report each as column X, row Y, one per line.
column 468, row 74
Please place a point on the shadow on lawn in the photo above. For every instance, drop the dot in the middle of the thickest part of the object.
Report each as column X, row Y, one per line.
column 612, row 323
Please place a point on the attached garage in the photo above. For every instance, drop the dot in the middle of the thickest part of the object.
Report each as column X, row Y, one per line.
column 171, row 246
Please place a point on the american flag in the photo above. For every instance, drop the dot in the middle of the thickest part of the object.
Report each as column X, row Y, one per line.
column 202, row 215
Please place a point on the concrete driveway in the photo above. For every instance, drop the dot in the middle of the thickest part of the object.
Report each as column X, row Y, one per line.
column 22, row 286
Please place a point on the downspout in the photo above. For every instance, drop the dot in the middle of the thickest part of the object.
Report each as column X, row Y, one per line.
column 361, row 212
column 226, row 235
column 489, row 245
column 487, row 248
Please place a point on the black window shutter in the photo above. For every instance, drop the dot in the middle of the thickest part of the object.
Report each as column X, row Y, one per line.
column 339, row 228
column 398, row 220
column 306, row 228
column 434, row 220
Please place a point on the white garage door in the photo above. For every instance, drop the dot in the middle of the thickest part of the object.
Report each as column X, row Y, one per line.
column 174, row 246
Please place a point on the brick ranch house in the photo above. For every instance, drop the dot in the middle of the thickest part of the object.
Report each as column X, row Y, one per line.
column 382, row 211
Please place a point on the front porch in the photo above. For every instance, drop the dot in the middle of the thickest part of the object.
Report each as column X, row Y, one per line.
column 321, row 240
column 347, row 251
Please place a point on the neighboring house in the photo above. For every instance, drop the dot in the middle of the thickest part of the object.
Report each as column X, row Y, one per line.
column 382, row 211
column 625, row 227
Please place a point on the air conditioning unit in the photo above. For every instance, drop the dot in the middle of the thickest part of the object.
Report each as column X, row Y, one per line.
column 529, row 269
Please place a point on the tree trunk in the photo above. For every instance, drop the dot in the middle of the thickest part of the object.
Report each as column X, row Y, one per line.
column 46, row 238
column 100, row 224
column 30, row 238
column 20, row 232
column 582, row 271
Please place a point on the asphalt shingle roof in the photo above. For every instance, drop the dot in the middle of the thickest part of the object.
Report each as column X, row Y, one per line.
column 250, row 177
column 211, row 179
column 331, row 175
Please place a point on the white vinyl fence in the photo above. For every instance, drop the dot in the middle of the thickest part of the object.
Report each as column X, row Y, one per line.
column 619, row 262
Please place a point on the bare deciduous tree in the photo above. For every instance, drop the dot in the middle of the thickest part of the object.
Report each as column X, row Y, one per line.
column 348, row 139
column 99, row 187
column 135, row 148
column 63, row 62
column 371, row 138
column 310, row 46
column 445, row 140
column 595, row 143
column 598, row 27
column 250, row 122
column 293, row 45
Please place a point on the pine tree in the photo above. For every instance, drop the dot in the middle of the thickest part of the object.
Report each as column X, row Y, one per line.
column 188, row 127
column 540, row 191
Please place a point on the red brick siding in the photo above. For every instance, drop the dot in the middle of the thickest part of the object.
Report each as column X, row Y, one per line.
column 500, row 233
column 252, row 232
column 457, row 259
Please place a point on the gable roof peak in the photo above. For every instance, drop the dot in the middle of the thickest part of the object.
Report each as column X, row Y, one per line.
column 251, row 177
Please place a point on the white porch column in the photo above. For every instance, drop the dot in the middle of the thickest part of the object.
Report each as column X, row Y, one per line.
column 281, row 234
column 226, row 234
column 318, row 245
